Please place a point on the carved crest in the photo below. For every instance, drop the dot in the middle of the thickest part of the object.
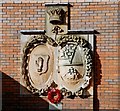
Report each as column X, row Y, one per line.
column 74, row 64
column 56, row 15
column 37, row 65
column 59, row 59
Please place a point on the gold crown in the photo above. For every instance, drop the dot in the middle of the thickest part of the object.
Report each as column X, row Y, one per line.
column 56, row 15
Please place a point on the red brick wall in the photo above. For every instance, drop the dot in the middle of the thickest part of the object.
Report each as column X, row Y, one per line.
column 101, row 16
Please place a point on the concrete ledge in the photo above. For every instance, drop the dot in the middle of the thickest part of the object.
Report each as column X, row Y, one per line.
column 32, row 32
column 57, row 4
column 86, row 31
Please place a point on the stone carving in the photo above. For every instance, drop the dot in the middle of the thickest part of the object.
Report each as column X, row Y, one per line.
column 56, row 15
column 69, row 52
column 57, row 29
column 42, row 63
column 37, row 64
column 72, row 75
column 75, row 58
column 74, row 64
column 61, row 60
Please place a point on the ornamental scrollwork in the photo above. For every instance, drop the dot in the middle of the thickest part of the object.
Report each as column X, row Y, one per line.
column 34, row 61
column 70, row 45
column 74, row 55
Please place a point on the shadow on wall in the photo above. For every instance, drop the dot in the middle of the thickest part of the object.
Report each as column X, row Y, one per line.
column 12, row 100
column 97, row 78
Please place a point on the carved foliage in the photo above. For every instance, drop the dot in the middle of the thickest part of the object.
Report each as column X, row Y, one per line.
column 36, row 62
column 72, row 75
column 69, row 46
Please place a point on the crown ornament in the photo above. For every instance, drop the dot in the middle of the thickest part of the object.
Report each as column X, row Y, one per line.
column 56, row 15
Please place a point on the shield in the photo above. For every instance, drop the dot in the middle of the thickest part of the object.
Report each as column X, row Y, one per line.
column 37, row 64
column 40, row 66
column 68, row 65
column 74, row 66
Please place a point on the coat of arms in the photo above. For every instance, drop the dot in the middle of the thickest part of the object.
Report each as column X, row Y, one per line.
column 57, row 62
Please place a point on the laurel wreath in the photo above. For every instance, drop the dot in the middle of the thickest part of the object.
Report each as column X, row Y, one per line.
column 62, row 41
column 34, row 41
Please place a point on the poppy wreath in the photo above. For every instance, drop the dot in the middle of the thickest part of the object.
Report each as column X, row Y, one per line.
column 54, row 95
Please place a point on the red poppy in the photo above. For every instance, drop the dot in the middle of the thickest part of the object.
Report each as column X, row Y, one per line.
column 54, row 95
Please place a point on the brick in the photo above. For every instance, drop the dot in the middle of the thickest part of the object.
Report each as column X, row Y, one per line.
column 101, row 15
